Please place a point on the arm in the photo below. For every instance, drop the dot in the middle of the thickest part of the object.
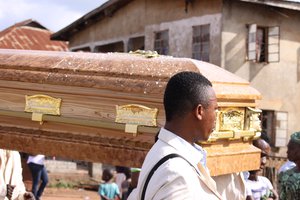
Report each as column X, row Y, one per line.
column 101, row 193
column 104, row 197
column 28, row 196
column 275, row 194
column 118, row 197
column 9, row 190
column 249, row 197
column 6, row 191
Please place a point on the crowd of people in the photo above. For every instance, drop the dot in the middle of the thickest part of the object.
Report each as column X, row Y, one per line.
column 175, row 167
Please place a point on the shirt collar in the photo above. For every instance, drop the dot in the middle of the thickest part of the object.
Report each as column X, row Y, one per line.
column 193, row 153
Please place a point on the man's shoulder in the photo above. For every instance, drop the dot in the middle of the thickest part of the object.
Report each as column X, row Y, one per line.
column 264, row 179
column 177, row 164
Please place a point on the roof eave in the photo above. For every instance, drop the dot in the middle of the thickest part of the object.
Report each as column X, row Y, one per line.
column 106, row 9
column 292, row 5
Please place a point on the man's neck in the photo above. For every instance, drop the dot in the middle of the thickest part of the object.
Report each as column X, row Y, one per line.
column 178, row 130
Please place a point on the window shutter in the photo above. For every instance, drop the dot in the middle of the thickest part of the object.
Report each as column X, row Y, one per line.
column 281, row 129
column 273, row 44
column 252, row 42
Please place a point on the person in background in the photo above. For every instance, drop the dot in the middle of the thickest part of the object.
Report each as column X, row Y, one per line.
column 134, row 173
column 289, row 181
column 190, row 107
column 123, row 178
column 120, row 177
column 260, row 186
column 11, row 179
column 126, row 183
column 39, row 173
column 109, row 189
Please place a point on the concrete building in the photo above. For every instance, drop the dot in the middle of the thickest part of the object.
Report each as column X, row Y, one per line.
column 257, row 40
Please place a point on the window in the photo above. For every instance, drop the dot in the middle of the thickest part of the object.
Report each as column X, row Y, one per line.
column 263, row 43
column 136, row 43
column 274, row 127
column 112, row 47
column 84, row 49
column 161, row 43
column 201, row 38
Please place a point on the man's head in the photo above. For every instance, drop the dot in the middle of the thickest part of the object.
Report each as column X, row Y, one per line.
column 107, row 175
column 190, row 98
column 293, row 152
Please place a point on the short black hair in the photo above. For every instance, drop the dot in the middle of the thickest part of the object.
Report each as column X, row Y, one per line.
column 107, row 174
column 124, row 170
column 184, row 91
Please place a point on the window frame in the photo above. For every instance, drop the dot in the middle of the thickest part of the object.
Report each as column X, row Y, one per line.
column 200, row 40
column 271, row 42
column 161, row 42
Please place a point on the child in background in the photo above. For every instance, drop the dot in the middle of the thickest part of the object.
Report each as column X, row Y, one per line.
column 108, row 190
column 261, row 188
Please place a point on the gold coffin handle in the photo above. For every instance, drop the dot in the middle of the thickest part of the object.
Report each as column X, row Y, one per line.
column 234, row 135
column 40, row 105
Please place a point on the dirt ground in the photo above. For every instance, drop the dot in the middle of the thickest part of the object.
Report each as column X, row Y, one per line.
column 69, row 194
column 82, row 189
column 66, row 186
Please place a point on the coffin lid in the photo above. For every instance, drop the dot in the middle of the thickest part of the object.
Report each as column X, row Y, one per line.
column 124, row 72
column 91, row 85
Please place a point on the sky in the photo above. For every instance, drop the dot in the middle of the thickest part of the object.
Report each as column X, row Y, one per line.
column 53, row 14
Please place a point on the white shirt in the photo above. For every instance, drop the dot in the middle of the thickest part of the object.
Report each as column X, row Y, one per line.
column 260, row 187
column 11, row 173
column 38, row 159
column 231, row 186
column 176, row 178
column 119, row 179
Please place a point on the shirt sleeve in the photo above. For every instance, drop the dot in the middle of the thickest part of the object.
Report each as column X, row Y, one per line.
column 100, row 190
column 268, row 183
column 248, row 191
column 17, row 177
column 116, row 189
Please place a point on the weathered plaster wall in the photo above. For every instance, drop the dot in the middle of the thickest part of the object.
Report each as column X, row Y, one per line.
column 181, row 35
column 276, row 81
column 127, row 21
column 143, row 17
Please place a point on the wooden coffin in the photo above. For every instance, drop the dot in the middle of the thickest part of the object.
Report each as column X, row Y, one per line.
column 108, row 107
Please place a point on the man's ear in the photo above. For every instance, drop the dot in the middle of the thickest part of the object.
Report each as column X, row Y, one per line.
column 198, row 111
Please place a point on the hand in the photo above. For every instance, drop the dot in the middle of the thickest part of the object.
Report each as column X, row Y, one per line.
column 29, row 196
column 9, row 189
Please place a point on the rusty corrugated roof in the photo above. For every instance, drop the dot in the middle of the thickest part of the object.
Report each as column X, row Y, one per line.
column 30, row 35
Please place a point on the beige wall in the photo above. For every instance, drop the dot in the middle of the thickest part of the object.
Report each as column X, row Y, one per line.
column 143, row 17
column 181, row 35
column 276, row 81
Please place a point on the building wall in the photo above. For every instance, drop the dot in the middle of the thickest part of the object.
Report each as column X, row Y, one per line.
column 144, row 17
column 277, row 82
column 125, row 22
